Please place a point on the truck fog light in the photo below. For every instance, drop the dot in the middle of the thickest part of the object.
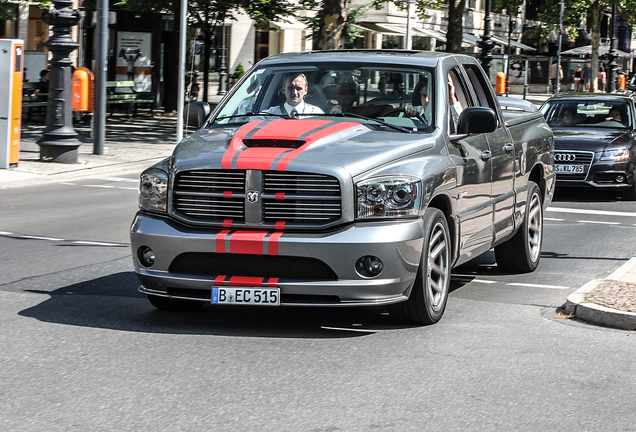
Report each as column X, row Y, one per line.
column 146, row 256
column 369, row 266
column 620, row 178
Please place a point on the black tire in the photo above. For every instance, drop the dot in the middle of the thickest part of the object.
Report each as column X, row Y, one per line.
column 177, row 305
column 630, row 194
column 427, row 301
column 521, row 254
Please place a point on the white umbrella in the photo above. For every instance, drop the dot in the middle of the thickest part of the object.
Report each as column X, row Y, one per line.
column 587, row 50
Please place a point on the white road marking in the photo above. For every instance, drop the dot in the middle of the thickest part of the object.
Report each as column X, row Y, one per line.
column 552, row 219
column 599, row 222
column 55, row 239
column 468, row 279
column 94, row 243
column 594, row 212
column 40, row 238
column 101, row 186
column 537, row 285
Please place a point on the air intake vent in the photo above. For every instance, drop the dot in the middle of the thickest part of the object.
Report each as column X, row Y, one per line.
column 273, row 143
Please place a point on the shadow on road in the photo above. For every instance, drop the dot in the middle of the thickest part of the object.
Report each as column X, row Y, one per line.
column 113, row 302
column 580, row 194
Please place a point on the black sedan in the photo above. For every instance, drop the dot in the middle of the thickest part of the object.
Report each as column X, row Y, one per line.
column 595, row 141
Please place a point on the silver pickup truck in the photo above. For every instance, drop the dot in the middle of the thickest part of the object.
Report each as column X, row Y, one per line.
column 344, row 178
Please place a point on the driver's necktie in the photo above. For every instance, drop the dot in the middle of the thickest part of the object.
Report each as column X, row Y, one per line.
column 294, row 113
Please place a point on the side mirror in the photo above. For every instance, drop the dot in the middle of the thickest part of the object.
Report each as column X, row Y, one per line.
column 196, row 113
column 477, row 120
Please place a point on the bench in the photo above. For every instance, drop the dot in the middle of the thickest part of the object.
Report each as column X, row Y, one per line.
column 123, row 93
column 30, row 101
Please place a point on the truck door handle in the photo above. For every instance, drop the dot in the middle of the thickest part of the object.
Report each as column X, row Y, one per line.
column 508, row 148
column 485, row 155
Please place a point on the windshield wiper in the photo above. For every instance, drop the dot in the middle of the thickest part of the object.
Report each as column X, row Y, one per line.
column 382, row 122
column 345, row 114
column 250, row 114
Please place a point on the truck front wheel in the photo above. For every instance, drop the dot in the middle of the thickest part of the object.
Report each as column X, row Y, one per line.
column 429, row 294
column 522, row 252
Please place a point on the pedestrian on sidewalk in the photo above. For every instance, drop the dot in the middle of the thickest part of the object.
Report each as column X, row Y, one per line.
column 578, row 76
column 602, row 78
column 587, row 76
column 42, row 86
column 553, row 76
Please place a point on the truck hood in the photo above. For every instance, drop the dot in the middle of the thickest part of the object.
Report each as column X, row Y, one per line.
column 296, row 145
column 594, row 140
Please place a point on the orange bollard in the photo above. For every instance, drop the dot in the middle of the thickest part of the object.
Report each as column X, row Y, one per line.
column 83, row 83
column 500, row 83
column 622, row 82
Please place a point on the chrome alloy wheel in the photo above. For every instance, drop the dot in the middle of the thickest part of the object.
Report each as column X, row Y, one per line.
column 438, row 267
column 535, row 221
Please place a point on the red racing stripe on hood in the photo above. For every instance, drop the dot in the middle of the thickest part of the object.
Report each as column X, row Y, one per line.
column 266, row 158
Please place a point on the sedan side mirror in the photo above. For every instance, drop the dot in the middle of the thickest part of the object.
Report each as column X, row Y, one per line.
column 196, row 113
column 477, row 120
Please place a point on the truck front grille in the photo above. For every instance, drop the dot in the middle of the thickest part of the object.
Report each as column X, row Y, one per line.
column 218, row 197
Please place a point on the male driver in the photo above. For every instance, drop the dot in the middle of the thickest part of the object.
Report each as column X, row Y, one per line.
column 295, row 88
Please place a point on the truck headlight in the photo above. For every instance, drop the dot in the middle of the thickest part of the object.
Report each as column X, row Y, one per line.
column 153, row 190
column 615, row 155
column 388, row 196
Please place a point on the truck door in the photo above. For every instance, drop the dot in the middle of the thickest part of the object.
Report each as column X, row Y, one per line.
column 472, row 158
column 503, row 157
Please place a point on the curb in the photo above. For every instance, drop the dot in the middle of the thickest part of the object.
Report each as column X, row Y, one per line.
column 34, row 179
column 585, row 310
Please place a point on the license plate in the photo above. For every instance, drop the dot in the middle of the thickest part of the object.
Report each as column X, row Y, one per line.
column 246, row 296
column 568, row 169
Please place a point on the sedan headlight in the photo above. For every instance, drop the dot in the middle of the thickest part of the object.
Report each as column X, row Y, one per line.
column 615, row 155
column 153, row 190
column 389, row 196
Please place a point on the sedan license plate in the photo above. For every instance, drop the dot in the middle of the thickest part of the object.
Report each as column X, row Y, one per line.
column 568, row 169
column 246, row 296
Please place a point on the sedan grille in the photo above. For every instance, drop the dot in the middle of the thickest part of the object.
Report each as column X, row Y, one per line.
column 264, row 198
column 571, row 158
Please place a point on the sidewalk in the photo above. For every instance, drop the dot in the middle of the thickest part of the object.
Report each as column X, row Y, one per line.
column 133, row 144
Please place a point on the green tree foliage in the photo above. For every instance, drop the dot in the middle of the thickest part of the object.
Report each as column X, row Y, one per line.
column 589, row 12
column 333, row 22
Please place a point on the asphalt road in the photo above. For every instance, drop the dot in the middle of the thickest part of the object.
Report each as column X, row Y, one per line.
column 81, row 350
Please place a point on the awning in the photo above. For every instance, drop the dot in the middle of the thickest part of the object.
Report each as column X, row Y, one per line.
column 288, row 23
column 398, row 29
column 587, row 51
column 377, row 28
column 504, row 42
column 430, row 33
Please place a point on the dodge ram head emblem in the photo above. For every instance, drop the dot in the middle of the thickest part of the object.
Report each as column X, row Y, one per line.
column 252, row 196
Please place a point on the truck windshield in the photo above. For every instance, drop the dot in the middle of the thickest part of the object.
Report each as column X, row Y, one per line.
column 394, row 95
column 588, row 114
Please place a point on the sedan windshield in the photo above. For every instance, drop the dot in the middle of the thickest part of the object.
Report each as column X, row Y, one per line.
column 381, row 96
column 588, row 114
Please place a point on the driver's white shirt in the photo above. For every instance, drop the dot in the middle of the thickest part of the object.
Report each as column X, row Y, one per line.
column 301, row 108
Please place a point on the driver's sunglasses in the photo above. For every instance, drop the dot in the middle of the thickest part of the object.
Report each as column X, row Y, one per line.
column 297, row 88
column 351, row 92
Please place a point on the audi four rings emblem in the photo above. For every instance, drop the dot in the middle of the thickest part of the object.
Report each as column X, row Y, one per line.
column 564, row 157
column 252, row 196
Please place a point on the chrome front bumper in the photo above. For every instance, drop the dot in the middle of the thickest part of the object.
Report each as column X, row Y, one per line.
column 397, row 243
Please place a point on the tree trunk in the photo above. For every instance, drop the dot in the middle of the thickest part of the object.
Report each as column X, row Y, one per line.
column 595, row 15
column 455, row 26
column 332, row 19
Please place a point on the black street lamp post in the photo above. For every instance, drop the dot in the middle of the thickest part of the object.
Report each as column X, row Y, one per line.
column 611, row 55
column 223, row 71
column 486, row 44
column 59, row 141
